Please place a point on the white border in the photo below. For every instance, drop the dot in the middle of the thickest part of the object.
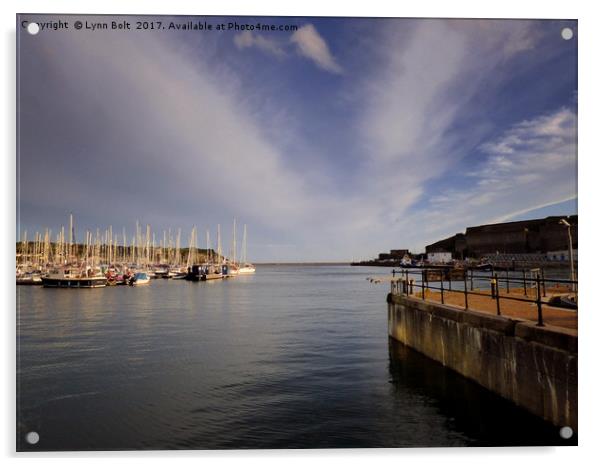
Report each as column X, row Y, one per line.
column 589, row 181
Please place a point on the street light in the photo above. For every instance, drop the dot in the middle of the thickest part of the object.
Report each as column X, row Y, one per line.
column 568, row 229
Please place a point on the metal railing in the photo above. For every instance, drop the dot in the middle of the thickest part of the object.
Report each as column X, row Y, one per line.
column 533, row 279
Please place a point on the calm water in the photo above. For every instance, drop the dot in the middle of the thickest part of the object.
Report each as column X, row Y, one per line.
column 292, row 357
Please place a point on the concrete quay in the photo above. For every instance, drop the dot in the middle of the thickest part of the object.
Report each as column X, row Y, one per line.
column 535, row 367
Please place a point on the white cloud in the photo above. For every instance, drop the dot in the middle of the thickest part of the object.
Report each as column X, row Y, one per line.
column 411, row 106
column 311, row 45
column 533, row 164
column 247, row 39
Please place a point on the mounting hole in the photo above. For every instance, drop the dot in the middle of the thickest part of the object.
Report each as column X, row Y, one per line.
column 32, row 438
column 566, row 432
column 33, row 28
column 567, row 33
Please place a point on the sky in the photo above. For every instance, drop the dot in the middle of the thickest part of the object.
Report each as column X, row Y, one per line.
column 335, row 141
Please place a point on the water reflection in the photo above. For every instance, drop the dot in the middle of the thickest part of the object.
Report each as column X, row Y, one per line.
column 483, row 417
column 293, row 357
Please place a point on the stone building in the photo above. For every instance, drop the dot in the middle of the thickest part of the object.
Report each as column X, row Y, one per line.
column 522, row 237
column 456, row 245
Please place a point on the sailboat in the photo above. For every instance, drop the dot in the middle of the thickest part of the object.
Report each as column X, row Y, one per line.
column 245, row 267
column 210, row 270
column 231, row 262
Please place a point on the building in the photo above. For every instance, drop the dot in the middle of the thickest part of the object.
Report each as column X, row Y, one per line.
column 561, row 256
column 394, row 254
column 523, row 237
column 399, row 253
column 538, row 236
column 439, row 257
column 456, row 245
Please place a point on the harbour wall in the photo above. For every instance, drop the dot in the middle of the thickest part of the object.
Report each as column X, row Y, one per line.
column 535, row 367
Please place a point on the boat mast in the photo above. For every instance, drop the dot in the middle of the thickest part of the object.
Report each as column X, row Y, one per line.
column 234, row 243
column 207, row 256
column 70, row 236
column 148, row 245
column 189, row 261
column 244, row 245
column 219, row 244
column 178, row 258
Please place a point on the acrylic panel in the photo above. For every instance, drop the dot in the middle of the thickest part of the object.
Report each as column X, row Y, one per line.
column 295, row 232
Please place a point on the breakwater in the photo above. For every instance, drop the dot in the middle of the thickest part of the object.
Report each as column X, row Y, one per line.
column 535, row 367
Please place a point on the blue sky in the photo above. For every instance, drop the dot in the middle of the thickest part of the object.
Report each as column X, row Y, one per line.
column 339, row 140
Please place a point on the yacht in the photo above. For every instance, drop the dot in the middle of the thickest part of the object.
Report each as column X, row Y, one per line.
column 140, row 278
column 74, row 277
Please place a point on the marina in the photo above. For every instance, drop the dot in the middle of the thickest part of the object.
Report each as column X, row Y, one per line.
column 108, row 260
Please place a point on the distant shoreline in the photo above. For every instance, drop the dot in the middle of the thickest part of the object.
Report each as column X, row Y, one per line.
column 301, row 263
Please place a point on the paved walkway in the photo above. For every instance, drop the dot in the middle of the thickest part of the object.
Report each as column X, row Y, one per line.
column 484, row 303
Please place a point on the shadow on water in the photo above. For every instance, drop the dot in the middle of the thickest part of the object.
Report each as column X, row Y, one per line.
column 464, row 403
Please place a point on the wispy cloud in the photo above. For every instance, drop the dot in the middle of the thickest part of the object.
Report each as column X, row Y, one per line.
column 248, row 39
column 311, row 45
column 531, row 165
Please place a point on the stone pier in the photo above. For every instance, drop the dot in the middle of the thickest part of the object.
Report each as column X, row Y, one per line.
column 535, row 367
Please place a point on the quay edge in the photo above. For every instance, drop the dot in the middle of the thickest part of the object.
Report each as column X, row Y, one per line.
column 535, row 367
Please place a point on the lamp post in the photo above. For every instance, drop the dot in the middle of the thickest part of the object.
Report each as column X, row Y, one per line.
column 568, row 229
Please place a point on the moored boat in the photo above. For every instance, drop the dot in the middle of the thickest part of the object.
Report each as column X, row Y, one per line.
column 211, row 272
column 161, row 271
column 246, row 269
column 140, row 278
column 74, row 277
column 29, row 278
column 177, row 273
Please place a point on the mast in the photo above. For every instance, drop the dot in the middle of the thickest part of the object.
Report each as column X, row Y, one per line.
column 207, row 258
column 178, row 258
column 24, row 248
column 219, row 244
column 244, row 245
column 111, row 253
column 191, row 248
column 70, row 235
column 148, row 240
column 234, row 243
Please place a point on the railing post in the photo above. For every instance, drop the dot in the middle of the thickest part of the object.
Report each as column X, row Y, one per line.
column 426, row 276
column 471, row 280
column 465, row 292
column 411, row 286
column 507, row 282
column 497, row 295
column 543, row 283
column 539, row 310
column 407, row 284
column 441, row 277
column 525, row 281
column 422, row 283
